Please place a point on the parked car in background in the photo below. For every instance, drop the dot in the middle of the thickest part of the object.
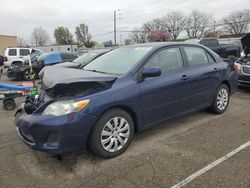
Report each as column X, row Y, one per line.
column 18, row 55
column 243, row 63
column 23, row 70
column 82, row 60
column 228, row 51
column 122, row 92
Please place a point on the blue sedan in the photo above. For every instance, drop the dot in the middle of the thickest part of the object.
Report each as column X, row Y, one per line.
column 120, row 93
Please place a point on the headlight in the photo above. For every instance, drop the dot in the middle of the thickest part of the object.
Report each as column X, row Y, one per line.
column 64, row 107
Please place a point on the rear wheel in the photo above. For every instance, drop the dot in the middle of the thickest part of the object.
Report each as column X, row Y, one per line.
column 9, row 104
column 112, row 134
column 221, row 99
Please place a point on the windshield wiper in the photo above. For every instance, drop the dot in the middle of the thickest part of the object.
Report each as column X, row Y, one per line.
column 95, row 71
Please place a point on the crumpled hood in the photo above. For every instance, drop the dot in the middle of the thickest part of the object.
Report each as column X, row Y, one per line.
column 55, row 76
column 67, row 64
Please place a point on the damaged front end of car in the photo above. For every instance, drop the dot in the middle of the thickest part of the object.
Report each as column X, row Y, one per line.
column 244, row 71
column 55, row 121
column 66, row 85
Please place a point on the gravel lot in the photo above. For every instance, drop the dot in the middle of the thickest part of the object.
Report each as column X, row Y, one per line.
column 158, row 157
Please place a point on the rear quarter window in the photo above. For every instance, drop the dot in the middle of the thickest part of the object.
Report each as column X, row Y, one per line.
column 12, row 52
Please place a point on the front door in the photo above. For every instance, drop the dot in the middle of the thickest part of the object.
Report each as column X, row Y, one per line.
column 167, row 95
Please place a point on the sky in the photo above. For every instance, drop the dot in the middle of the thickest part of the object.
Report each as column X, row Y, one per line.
column 20, row 17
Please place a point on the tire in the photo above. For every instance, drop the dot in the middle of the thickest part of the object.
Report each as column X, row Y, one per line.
column 27, row 76
column 9, row 104
column 221, row 99
column 104, row 135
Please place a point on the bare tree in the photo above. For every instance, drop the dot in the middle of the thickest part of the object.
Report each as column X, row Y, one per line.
column 39, row 36
column 139, row 36
column 196, row 23
column 83, row 36
column 175, row 22
column 237, row 22
column 155, row 24
column 21, row 42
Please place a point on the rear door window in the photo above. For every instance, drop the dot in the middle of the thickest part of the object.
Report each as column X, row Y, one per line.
column 24, row 52
column 196, row 55
column 12, row 52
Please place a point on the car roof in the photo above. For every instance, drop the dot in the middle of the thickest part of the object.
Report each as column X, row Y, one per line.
column 155, row 45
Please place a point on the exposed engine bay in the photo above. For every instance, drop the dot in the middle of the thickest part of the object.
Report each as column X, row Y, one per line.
column 59, row 83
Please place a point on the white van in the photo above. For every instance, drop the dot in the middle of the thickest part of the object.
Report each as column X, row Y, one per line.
column 17, row 55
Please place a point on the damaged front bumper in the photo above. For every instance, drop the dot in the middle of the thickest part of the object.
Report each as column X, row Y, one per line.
column 54, row 134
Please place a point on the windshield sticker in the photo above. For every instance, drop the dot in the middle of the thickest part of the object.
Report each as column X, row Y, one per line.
column 143, row 48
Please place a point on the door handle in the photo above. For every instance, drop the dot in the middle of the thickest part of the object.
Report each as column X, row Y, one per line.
column 215, row 69
column 184, row 77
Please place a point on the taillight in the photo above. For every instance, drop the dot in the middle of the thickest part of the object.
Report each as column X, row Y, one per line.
column 5, row 58
column 235, row 67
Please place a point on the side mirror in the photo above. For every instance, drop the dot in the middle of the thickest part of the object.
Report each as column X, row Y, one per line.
column 151, row 72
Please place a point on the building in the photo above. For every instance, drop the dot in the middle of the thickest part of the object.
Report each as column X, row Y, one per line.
column 7, row 41
column 57, row 48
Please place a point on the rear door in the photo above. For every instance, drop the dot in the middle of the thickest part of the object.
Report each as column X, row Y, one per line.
column 167, row 95
column 204, row 75
column 24, row 53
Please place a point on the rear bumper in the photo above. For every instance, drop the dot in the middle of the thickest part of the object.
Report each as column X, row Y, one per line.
column 54, row 134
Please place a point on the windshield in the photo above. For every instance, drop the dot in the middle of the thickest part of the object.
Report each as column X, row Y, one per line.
column 35, row 55
column 85, row 58
column 118, row 61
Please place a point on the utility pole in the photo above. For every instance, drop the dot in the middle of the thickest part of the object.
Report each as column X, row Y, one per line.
column 114, row 27
column 214, row 26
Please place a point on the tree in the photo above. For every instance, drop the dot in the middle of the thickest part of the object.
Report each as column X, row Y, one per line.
column 83, row 36
column 175, row 22
column 21, row 42
column 237, row 22
column 128, row 41
column 196, row 23
column 39, row 36
column 63, row 36
column 139, row 36
column 155, row 24
column 159, row 36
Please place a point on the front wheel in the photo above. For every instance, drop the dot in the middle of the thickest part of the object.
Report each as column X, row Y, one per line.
column 28, row 75
column 112, row 134
column 221, row 99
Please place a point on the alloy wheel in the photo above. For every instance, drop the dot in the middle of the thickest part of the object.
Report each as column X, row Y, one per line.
column 115, row 134
column 222, row 99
